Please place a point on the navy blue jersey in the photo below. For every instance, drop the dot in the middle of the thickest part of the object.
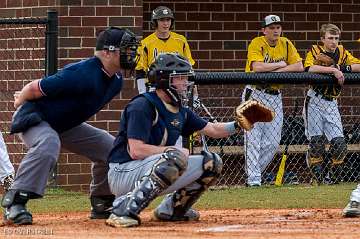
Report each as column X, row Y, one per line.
column 76, row 93
column 144, row 121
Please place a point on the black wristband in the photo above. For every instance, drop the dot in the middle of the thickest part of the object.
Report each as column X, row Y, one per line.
column 345, row 68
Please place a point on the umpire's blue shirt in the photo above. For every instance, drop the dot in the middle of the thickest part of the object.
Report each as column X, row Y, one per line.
column 76, row 93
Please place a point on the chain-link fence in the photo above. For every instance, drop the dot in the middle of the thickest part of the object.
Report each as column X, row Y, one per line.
column 27, row 52
column 254, row 159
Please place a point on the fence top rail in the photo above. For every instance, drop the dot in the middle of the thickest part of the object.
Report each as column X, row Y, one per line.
column 24, row 21
column 218, row 78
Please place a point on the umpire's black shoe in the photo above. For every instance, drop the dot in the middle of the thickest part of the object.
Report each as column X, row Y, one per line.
column 17, row 214
column 101, row 206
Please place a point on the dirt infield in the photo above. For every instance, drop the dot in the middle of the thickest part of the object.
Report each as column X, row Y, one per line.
column 232, row 223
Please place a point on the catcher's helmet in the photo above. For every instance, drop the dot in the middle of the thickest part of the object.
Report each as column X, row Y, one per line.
column 159, row 13
column 115, row 38
column 166, row 68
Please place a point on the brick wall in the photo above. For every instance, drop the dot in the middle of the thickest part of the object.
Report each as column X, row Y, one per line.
column 218, row 32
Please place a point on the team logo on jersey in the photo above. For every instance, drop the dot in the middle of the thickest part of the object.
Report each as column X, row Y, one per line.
column 268, row 59
column 175, row 123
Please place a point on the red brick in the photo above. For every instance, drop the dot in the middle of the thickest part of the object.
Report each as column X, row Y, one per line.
column 47, row 2
column 108, row 11
column 353, row 26
column 210, row 7
column 235, row 26
column 88, row 42
column 235, row 7
column 198, row 35
column 245, row 16
column 121, row 21
column 69, row 21
column 312, row 26
column 194, row 7
column 221, row 17
column 132, row 11
column 81, row 11
column 210, row 64
column 70, row 2
column 283, row 7
column 70, row 42
column 306, row 7
column 248, row 35
column 13, row 3
column 294, row 16
column 222, row 55
column 259, row 7
column 200, row 54
column 235, row 64
column 83, row 31
column 329, row 7
column 94, row 21
column 107, row 115
column 187, row 26
column 198, row 16
column 318, row 17
column 68, row 168
column 355, row 8
column 7, row 13
column 341, row 17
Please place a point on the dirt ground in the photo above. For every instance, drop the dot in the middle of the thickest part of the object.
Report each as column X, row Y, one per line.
column 231, row 223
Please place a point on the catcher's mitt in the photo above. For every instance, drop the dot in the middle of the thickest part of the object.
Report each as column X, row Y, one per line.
column 252, row 111
column 324, row 60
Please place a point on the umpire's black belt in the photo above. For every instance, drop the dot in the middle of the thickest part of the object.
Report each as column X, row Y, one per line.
column 324, row 97
column 268, row 90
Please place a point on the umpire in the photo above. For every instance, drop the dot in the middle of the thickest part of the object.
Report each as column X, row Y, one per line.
column 52, row 113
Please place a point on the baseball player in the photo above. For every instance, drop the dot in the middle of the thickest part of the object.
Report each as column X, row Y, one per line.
column 321, row 113
column 353, row 207
column 268, row 53
column 161, row 41
column 144, row 163
column 7, row 171
column 52, row 113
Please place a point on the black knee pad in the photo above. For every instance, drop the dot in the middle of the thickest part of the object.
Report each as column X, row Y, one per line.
column 338, row 150
column 212, row 166
column 170, row 166
column 316, row 150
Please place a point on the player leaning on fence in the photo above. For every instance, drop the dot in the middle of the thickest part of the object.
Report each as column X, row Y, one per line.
column 52, row 113
column 162, row 40
column 321, row 113
column 268, row 53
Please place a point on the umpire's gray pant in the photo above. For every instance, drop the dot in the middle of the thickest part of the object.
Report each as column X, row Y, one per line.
column 44, row 145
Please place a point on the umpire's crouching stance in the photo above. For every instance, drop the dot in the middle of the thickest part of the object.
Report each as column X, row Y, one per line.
column 144, row 163
column 52, row 113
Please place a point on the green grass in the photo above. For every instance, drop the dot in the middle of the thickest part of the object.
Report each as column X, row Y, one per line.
column 302, row 196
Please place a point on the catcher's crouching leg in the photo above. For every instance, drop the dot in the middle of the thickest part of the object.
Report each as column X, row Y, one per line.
column 315, row 157
column 177, row 206
column 14, row 202
column 164, row 172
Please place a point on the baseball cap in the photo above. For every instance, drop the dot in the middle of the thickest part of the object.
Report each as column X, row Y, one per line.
column 110, row 38
column 271, row 19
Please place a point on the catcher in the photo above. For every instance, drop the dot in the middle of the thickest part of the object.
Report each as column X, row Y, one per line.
column 144, row 163
column 321, row 114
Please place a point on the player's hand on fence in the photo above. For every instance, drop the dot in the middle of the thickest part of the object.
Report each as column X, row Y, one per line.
column 339, row 76
column 252, row 111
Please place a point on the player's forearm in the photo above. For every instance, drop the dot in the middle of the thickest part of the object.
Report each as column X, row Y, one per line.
column 322, row 69
column 296, row 67
column 355, row 67
column 219, row 130
column 265, row 67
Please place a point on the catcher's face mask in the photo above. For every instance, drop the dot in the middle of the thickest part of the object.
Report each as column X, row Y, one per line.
column 180, row 88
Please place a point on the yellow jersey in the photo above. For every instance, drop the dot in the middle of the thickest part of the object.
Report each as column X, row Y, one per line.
column 152, row 46
column 341, row 56
column 260, row 50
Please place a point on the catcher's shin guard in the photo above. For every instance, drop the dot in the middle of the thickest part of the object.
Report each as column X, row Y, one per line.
column 165, row 171
column 182, row 200
column 315, row 157
column 14, row 202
